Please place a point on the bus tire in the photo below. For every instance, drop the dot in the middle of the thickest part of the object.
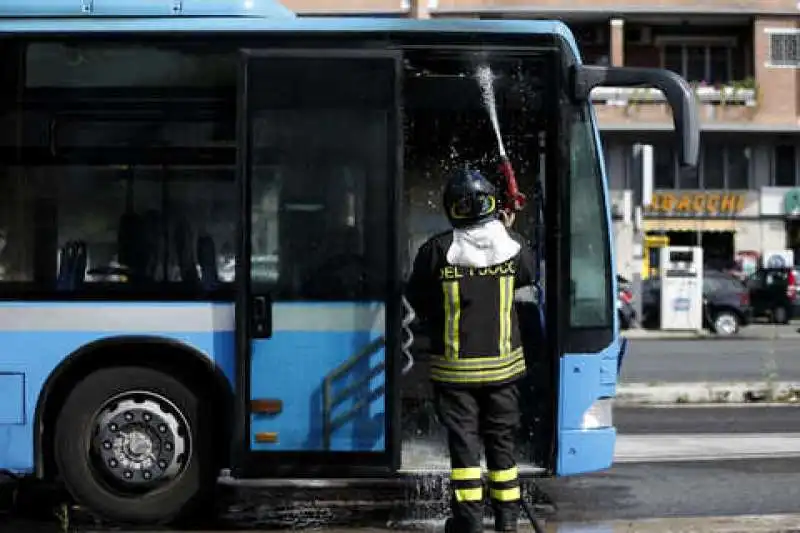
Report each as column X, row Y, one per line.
column 130, row 448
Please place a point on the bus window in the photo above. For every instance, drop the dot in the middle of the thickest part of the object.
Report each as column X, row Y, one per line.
column 320, row 167
column 590, row 266
column 134, row 170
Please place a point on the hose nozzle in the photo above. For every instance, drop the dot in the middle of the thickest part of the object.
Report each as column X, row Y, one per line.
column 515, row 198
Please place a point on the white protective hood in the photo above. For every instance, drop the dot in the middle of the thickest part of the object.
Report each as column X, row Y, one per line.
column 482, row 246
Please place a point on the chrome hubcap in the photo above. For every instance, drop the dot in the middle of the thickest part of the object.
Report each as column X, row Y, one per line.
column 140, row 439
column 726, row 324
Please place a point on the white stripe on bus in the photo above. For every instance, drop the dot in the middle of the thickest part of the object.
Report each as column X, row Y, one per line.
column 142, row 318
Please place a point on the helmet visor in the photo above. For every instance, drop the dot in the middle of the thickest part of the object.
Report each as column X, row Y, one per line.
column 473, row 207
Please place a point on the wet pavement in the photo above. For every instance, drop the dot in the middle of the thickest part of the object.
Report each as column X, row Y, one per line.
column 701, row 491
column 648, row 494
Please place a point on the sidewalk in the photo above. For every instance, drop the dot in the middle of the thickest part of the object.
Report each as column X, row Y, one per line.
column 713, row 524
column 752, row 332
column 707, row 393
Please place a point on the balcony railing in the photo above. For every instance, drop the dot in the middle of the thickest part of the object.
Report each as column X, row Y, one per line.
column 625, row 96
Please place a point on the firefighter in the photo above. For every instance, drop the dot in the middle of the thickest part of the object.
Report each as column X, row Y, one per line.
column 462, row 288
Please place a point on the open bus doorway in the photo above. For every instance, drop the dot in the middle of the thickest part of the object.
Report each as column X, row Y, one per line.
column 447, row 125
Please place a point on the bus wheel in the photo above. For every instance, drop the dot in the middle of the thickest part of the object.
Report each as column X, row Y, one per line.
column 129, row 447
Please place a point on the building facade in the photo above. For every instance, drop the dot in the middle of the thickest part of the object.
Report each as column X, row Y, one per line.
column 741, row 56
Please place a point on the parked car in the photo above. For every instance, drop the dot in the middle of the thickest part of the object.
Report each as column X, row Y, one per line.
column 773, row 293
column 726, row 303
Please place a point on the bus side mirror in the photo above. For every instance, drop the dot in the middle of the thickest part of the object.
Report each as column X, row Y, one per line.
column 677, row 92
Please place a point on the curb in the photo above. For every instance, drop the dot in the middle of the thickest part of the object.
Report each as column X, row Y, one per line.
column 786, row 523
column 707, row 393
column 656, row 335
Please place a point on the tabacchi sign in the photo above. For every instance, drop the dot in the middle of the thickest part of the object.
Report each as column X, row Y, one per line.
column 697, row 203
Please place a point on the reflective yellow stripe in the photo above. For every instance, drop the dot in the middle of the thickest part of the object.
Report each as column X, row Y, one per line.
column 506, row 300
column 465, row 474
column 505, row 495
column 502, row 307
column 478, row 376
column 452, row 315
column 477, row 363
column 509, row 310
column 501, row 476
column 471, row 495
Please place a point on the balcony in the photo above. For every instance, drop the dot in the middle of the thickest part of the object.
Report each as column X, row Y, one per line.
column 350, row 7
column 548, row 7
column 618, row 106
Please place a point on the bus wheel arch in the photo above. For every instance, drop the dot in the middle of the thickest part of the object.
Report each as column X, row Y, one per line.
column 184, row 362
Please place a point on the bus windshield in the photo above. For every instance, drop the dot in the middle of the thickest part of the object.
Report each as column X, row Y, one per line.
column 590, row 262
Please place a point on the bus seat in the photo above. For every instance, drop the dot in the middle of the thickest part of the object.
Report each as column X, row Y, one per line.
column 72, row 270
column 207, row 259
column 132, row 245
column 153, row 234
column 184, row 251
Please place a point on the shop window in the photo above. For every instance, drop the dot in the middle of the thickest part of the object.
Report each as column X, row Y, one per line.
column 785, row 174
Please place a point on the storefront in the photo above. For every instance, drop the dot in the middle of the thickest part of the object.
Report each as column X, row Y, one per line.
column 791, row 211
column 781, row 207
column 699, row 218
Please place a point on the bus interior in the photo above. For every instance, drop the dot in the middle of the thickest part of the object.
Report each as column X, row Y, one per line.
column 120, row 183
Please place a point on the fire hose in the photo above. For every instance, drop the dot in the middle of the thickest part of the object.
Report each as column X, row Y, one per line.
column 408, row 336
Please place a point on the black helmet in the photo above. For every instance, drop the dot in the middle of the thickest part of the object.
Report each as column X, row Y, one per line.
column 469, row 198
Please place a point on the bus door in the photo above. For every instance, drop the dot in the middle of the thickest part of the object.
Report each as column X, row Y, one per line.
column 319, row 294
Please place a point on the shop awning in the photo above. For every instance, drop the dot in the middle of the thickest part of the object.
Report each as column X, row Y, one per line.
column 689, row 224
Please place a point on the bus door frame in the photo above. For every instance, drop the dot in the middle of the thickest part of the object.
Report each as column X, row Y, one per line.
column 247, row 463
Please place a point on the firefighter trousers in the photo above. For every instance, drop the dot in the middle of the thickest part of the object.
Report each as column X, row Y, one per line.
column 488, row 416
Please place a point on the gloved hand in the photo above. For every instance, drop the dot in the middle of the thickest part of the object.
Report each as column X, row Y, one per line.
column 508, row 218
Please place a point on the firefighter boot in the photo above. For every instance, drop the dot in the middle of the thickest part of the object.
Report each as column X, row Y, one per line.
column 506, row 519
column 456, row 525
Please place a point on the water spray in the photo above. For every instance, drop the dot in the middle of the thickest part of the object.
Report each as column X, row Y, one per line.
column 515, row 200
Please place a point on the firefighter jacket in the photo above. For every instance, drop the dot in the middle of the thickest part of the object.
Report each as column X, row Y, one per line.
column 468, row 312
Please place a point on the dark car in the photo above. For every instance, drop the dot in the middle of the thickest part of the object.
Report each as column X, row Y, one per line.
column 773, row 293
column 726, row 306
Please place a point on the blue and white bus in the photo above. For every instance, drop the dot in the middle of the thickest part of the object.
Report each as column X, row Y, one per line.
column 207, row 211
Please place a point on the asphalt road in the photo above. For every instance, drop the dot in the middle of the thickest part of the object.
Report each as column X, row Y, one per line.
column 646, row 490
column 704, row 488
column 695, row 488
column 692, row 420
column 653, row 361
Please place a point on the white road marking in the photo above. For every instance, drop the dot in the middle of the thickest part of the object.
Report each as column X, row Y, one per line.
column 705, row 447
